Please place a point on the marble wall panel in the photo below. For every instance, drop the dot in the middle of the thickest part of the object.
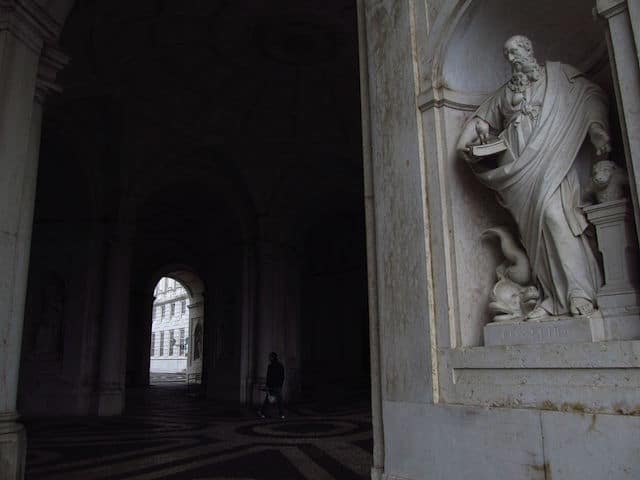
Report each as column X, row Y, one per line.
column 591, row 446
column 438, row 442
column 400, row 223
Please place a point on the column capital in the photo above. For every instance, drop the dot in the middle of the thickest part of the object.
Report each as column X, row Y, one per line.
column 29, row 22
column 52, row 60
column 9, row 423
column 610, row 8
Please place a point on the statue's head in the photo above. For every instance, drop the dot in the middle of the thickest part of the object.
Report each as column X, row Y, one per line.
column 602, row 172
column 519, row 51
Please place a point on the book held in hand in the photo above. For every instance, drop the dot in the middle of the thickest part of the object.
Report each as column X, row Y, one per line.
column 484, row 150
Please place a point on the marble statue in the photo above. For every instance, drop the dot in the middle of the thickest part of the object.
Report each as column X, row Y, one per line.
column 512, row 297
column 609, row 181
column 536, row 124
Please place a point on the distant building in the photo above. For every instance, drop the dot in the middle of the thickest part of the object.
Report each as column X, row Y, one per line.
column 170, row 327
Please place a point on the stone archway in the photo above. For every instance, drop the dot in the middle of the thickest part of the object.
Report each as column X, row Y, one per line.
column 140, row 326
column 195, row 287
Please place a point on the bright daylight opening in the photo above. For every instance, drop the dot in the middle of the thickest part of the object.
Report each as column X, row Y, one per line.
column 170, row 333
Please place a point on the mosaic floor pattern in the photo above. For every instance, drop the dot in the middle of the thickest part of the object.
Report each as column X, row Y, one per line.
column 166, row 434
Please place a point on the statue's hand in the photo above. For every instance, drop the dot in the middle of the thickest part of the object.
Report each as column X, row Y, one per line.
column 465, row 153
column 474, row 132
column 482, row 130
column 600, row 139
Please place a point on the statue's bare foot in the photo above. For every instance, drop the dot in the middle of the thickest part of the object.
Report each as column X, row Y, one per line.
column 537, row 313
column 581, row 306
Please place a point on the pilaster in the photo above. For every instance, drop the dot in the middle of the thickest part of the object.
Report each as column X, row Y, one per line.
column 28, row 67
column 114, row 329
column 623, row 53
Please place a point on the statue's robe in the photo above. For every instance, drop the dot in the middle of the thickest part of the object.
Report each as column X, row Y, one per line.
column 537, row 181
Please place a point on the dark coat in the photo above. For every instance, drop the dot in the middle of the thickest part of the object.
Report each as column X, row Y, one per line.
column 275, row 375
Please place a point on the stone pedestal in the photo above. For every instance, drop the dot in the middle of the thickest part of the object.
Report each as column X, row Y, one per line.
column 562, row 329
column 619, row 297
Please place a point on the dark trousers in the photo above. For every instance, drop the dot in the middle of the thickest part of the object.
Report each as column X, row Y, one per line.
column 276, row 392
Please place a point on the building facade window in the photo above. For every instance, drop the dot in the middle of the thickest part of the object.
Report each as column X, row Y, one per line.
column 170, row 326
column 182, row 342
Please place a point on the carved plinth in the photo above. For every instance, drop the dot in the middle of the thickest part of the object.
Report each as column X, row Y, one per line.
column 561, row 329
column 619, row 297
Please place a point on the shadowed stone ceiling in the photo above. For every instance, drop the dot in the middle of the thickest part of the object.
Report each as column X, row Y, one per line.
column 164, row 92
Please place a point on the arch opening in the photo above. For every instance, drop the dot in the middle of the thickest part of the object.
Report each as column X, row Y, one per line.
column 176, row 334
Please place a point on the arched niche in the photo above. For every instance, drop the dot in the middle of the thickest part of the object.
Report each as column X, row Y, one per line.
column 560, row 30
column 466, row 64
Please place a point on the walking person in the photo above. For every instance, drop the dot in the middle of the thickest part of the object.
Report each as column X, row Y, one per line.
column 275, row 380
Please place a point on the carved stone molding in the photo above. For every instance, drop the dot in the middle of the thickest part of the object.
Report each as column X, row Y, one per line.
column 8, row 422
column 52, row 61
column 29, row 22
column 610, row 8
column 443, row 97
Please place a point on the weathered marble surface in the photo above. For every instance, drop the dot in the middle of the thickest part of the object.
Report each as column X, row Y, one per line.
column 443, row 442
column 431, row 437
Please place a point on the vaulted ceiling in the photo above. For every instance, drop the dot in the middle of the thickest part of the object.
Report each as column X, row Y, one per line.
column 169, row 88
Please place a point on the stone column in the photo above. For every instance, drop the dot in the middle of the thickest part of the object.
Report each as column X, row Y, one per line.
column 139, row 339
column 113, row 332
column 377, row 469
column 247, row 329
column 269, row 311
column 623, row 53
column 278, row 312
column 25, row 77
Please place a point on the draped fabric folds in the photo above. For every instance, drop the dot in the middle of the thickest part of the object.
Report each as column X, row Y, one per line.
column 537, row 182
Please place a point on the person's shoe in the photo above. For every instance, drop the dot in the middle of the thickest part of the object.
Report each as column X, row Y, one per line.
column 260, row 414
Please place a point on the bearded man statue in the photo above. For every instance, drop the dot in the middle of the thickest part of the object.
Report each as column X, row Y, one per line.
column 543, row 115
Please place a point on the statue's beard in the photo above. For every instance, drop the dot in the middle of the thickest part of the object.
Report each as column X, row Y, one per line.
column 528, row 66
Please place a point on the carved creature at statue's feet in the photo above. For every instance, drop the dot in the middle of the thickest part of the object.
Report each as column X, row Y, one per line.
column 581, row 306
column 537, row 313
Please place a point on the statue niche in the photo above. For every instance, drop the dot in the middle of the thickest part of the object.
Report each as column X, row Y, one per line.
column 523, row 143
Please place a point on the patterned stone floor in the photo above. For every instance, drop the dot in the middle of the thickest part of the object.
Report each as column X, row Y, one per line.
column 160, row 378
column 165, row 434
